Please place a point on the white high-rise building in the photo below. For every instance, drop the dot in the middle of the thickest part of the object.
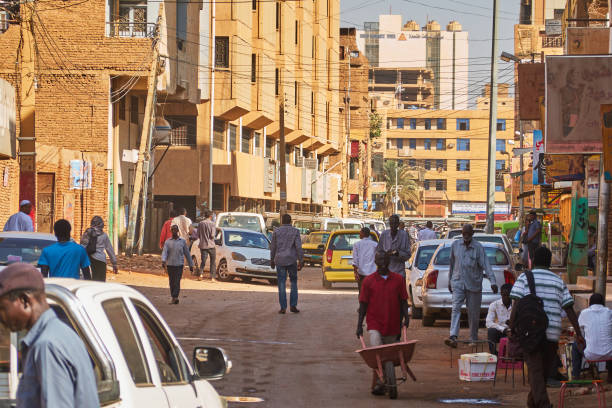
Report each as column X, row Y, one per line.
column 390, row 44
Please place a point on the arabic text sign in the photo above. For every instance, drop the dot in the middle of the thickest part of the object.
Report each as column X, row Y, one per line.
column 564, row 167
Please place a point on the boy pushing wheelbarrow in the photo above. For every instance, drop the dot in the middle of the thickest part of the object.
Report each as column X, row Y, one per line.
column 383, row 303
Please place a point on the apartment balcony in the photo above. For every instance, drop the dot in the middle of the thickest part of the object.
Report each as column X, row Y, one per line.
column 131, row 29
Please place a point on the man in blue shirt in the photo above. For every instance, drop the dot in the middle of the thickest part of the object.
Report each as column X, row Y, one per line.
column 64, row 258
column 21, row 221
column 57, row 370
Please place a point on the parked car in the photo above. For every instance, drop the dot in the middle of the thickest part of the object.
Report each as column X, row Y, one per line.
column 307, row 226
column 313, row 245
column 244, row 220
column 331, row 224
column 437, row 300
column 23, row 246
column 240, row 253
column 352, row 224
column 137, row 360
column 452, row 233
column 422, row 252
column 378, row 225
column 498, row 239
column 337, row 263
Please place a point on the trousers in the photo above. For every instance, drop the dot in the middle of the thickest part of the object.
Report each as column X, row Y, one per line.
column 541, row 364
column 281, row 273
column 472, row 302
column 494, row 336
column 98, row 270
column 175, row 273
column 204, row 253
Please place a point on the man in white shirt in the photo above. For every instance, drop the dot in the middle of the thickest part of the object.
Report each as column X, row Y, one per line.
column 427, row 232
column 184, row 224
column 498, row 317
column 363, row 256
column 596, row 324
column 21, row 220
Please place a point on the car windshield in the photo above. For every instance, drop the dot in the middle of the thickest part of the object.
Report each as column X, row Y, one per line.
column 424, row 255
column 21, row 250
column 489, row 238
column 495, row 255
column 246, row 239
column 316, row 239
column 344, row 242
column 241, row 221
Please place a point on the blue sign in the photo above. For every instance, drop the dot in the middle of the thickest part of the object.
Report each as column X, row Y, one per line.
column 539, row 167
column 365, row 204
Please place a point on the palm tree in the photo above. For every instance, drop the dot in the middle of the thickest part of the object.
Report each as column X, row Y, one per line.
column 407, row 188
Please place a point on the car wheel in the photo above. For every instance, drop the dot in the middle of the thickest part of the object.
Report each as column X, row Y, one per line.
column 326, row 284
column 223, row 272
column 273, row 282
column 429, row 321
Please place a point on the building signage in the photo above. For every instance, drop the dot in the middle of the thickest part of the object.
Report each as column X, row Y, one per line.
column 532, row 87
column 269, row 177
column 563, row 167
column 539, row 167
column 553, row 27
column 7, row 120
column 80, row 175
column 479, row 208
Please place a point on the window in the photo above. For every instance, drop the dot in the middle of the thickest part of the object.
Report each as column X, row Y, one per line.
column 412, row 124
column 412, row 143
column 132, row 20
column 501, row 124
column 499, row 186
column 427, row 164
column 463, row 145
column 463, row 185
column 353, row 164
column 125, row 332
column 440, row 144
column 399, row 143
column 276, row 81
column 412, row 162
column 297, row 30
column 184, row 130
column 295, row 92
column 181, row 21
column 500, row 164
column 278, row 15
column 219, row 134
column 400, row 123
column 427, row 144
column 441, row 185
column 222, row 52
column 427, row 124
column 257, row 143
column 463, row 124
column 426, row 184
column 254, row 5
column 441, row 124
column 170, row 364
column 500, row 145
column 463, row 165
column 232, row 138
column 269, row 147
column 245, row 145
column 440, row 164
column 312, row 103
column 122, row 105
column 253, row 67
column 134, row 109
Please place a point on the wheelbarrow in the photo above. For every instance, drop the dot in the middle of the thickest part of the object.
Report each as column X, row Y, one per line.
column 383, row 360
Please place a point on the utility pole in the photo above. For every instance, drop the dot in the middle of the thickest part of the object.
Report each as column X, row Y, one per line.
column 492, row 128
column 602, row 236
column 212, row 103
column 396, row 197
column 144, row 142
column 283, row 162
column 345, row 139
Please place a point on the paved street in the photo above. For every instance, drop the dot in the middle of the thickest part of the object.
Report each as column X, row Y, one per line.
column 308, row 360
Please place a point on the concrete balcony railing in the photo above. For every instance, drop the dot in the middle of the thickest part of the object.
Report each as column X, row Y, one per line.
column 131, row 29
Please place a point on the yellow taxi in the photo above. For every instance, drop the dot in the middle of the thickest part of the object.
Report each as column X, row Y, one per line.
column 338, row 257
column 313, row 246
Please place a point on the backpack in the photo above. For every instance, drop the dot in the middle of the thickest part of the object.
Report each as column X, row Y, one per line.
column 93, row 242
column 530, row 321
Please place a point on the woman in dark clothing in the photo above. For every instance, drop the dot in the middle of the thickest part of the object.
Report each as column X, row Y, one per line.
column 97, row 255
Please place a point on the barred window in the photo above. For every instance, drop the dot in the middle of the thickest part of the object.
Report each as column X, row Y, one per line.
column 184, row 130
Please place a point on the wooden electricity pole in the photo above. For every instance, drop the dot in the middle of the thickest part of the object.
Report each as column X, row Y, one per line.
column 283, row 162
column 139, row 175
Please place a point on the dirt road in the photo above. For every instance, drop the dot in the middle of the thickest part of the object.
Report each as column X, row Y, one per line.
column 308, row 359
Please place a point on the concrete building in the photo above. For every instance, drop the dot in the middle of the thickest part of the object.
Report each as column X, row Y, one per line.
column 444, row 54
column 447, row 151
column 530, row 36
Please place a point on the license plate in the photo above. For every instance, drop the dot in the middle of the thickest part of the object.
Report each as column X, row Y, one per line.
column 316, row 256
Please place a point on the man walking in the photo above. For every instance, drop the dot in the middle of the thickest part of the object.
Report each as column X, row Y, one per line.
column 383, row 302
column 288, row 257
column 534, row 235
column 21, row 221
column 165, row 231
column 173, row 258
column 427, row 232
column 64, row 258
column 363, row 256
column 498, row 318
column 555, row 296
column 184, row 224
column 57, row 370
column 468, row 261
column 206, row 234
column 395, row 243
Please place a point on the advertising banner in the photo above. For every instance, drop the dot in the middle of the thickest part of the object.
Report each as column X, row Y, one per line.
column 563, row 167
column 479, row 208
column 576, row 86
column 539, row 167
column 80, row 175
column 532, row 86
column 7, row 120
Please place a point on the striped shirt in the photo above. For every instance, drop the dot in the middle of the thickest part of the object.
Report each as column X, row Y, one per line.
column 553, row 292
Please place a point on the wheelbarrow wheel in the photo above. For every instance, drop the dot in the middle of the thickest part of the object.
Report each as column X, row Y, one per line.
column 390, row 380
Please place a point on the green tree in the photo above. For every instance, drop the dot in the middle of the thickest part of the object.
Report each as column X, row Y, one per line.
column 375, row 125
column 407, row 188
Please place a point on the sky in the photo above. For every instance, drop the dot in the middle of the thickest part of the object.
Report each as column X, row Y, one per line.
column 474, row 15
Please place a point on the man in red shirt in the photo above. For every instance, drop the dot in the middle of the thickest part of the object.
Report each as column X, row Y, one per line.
column 383, row 302
column 165, row 231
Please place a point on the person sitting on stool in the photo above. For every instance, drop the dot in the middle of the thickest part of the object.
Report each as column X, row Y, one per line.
column 498, row 317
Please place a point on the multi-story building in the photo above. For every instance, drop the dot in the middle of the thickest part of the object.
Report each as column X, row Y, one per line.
column 81, row 91
column 530, row 36
column 268, row 56
column 447, row 152
column 435, row 55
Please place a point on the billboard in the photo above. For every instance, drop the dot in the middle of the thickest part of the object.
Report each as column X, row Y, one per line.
column 576, row 86
column 539, row 166
column 531, row 87
column 7, row 120
column 478, row 208
column 563, row 167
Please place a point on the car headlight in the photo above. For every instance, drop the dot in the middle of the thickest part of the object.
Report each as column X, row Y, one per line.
column 236, row 256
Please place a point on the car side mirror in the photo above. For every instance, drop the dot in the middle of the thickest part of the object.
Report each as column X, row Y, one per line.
column 211, row 363
column 321, row 247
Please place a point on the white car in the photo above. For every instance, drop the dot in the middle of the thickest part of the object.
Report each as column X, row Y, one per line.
column 501, row 239
column 422, row 251
column 244, row 220
column 23, row 246
column 136, row 358
column 240, row 253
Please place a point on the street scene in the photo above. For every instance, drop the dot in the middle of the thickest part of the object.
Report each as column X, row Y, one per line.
column 326, row 203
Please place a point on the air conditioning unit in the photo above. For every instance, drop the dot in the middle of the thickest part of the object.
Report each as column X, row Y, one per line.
column 311, row 164
column 404, row 152
column 299, row 161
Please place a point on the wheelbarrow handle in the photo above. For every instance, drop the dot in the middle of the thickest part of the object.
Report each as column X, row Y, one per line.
column 404, row 333
column 362, row 341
